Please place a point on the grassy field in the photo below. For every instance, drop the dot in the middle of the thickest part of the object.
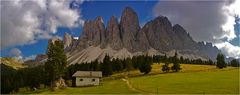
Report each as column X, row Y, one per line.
column 193, row 79
column 107, row 87
column 213, row 82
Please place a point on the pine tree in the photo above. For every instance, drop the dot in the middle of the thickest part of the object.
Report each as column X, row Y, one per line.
column 234, row 63
column 145, row 65
column 129, row 64
column 107, row 66
column 56, row 61
column 220, row 61
column 176, row 65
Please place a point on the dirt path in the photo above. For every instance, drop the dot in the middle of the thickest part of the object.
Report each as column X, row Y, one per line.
column 132, row 88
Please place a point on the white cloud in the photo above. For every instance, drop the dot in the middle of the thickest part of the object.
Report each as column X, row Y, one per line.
column 210, row 21
column 16, row 53
column 231, row 11
column 76, row 38
column 32, row 57
column 229, row 50
column 26, row 21
column 202, row 19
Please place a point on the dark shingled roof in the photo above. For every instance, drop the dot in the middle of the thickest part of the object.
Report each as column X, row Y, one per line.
column 87, row 74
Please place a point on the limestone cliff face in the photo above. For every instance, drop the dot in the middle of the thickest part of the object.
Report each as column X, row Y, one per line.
column 126, row 39
column 67, row 40
column 113, row 34
column 129, row 26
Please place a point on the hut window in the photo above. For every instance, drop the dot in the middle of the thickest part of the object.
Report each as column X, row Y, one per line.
column 81, row 80
column 93, row 79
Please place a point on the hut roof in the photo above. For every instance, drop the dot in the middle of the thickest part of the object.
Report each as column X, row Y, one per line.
column 87, row 74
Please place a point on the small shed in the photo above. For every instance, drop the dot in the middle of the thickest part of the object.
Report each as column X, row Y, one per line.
column 86, row 78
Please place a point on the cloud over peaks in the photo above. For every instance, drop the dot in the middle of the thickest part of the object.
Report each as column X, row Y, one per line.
column 26, row 21
column 16, row 53
column 211, row 21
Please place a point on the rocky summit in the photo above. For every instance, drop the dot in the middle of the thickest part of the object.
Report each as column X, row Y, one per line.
column 126, row 39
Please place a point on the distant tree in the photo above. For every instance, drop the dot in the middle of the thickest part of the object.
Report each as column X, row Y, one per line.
column 181, row 60
column 234, row 63
column 165, row 58
column 145, row 65
column 94, row 65
column 129, row 64
column 220, row 61
column 210, row 62
column 135, row 62
column 165, row 67
column 107, row 66
column 8, row 81
column 176, row 65
column 175, row 58
column 56, row 62
column 119, row 65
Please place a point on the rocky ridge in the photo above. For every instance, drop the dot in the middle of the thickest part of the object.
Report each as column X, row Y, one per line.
column 126, row 39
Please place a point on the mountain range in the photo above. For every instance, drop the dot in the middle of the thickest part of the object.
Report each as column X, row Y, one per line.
column 126, row 39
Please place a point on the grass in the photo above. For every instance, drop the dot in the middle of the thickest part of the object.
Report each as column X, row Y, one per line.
column 107, row 87
column 212, row 82
column 193, row 79
column 156, row 69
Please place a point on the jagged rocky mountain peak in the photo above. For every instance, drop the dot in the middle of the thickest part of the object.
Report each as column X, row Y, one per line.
column 178, row 27
column 126, row 39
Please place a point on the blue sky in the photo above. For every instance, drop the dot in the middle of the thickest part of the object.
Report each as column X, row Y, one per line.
column 90, row 10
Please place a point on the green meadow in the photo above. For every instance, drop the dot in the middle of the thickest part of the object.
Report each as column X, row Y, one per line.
column 193, row 79
column 213, row 82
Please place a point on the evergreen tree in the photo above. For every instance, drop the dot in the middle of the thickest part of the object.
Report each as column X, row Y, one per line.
column 145, row 65
column 165, row 58
column 56, row 61
column 210, row 62
column 129, row 64
column 176, row 65
column 181, row 60
column 220, row 61
column 119, row 65
column 135, row 62
column 107, row 66
column 234, row 63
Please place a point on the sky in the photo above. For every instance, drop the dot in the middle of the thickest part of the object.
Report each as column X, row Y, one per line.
column 27, row 25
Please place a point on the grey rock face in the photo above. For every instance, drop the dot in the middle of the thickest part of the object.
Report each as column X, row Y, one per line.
column 67, row 40
column 129, row 26
column 159, row 33
column 185, row 40
column 208, row 49
column 93, row 33
column 127, row 38
column 142, row 43
column 99, row 28
column 113, row 35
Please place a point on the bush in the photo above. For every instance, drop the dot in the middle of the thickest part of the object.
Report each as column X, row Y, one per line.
column 165, row 67
column 176, row 67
